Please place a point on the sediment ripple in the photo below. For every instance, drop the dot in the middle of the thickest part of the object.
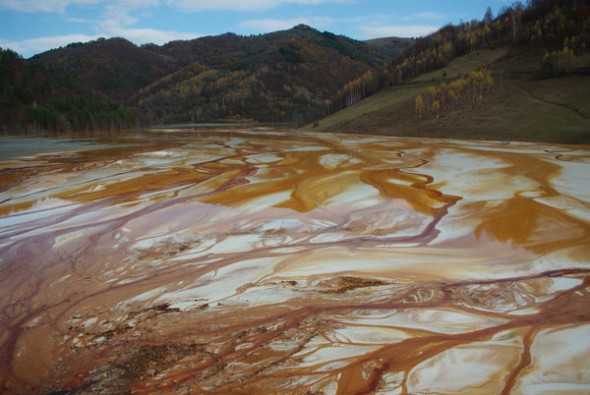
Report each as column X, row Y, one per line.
column 281, row 262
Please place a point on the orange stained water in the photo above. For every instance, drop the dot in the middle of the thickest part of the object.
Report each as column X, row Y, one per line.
column 277, row 262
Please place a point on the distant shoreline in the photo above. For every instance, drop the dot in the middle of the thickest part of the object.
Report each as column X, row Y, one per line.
column 221, row 125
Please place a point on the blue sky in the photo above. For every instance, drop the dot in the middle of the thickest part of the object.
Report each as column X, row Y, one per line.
column 34, row 26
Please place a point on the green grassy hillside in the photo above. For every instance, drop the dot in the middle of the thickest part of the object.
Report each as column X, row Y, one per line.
column 521, row 105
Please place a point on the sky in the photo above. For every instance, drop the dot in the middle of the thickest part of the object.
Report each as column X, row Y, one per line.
column 33, row 26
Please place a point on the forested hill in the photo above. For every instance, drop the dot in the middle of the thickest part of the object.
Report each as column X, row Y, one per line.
column 532, row 55
column 296, row 75
column 38, row 97
column 557, row 25
column 520, row 75
column 289, row 76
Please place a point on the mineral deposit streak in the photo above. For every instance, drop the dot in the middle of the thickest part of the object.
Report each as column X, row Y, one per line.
column 277, row 262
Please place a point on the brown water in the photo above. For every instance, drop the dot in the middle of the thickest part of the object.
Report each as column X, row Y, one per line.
column 276, row 262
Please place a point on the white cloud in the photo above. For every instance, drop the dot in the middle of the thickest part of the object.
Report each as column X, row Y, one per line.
column 397, row 31
column 233, row 5
column 119, row 13
column 137, row 36
column 117, row 21
column 120, row 18
column 80, row 20
column 44, row 5
column 241, row 5
column 429, row 15
column 42, row 44
column 144, row 36
column 269, row 25
column 60, row 6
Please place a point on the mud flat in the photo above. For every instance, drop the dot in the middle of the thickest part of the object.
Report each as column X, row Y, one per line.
column 277, row 262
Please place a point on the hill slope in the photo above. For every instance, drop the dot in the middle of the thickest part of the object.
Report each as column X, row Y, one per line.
column 114, row 67
column 36, row 97
column 288, row 76
column 295, row 75
column 520, row 106
column 539, row 90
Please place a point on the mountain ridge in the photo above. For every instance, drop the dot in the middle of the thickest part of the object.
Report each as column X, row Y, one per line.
column 295, row 75
column 434, row 85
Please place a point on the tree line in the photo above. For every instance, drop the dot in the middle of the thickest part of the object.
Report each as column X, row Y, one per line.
column 448, row 98
column 33, row 97
column 356, row 90
column 297, row 76
column 561, row 25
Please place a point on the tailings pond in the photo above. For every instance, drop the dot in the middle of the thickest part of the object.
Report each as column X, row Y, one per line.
column 276, row 262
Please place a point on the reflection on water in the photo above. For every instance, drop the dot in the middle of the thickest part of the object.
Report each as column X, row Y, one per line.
column 290, row 263
column 14, row 147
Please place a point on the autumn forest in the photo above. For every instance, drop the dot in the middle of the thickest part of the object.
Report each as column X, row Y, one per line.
column 296, row 76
